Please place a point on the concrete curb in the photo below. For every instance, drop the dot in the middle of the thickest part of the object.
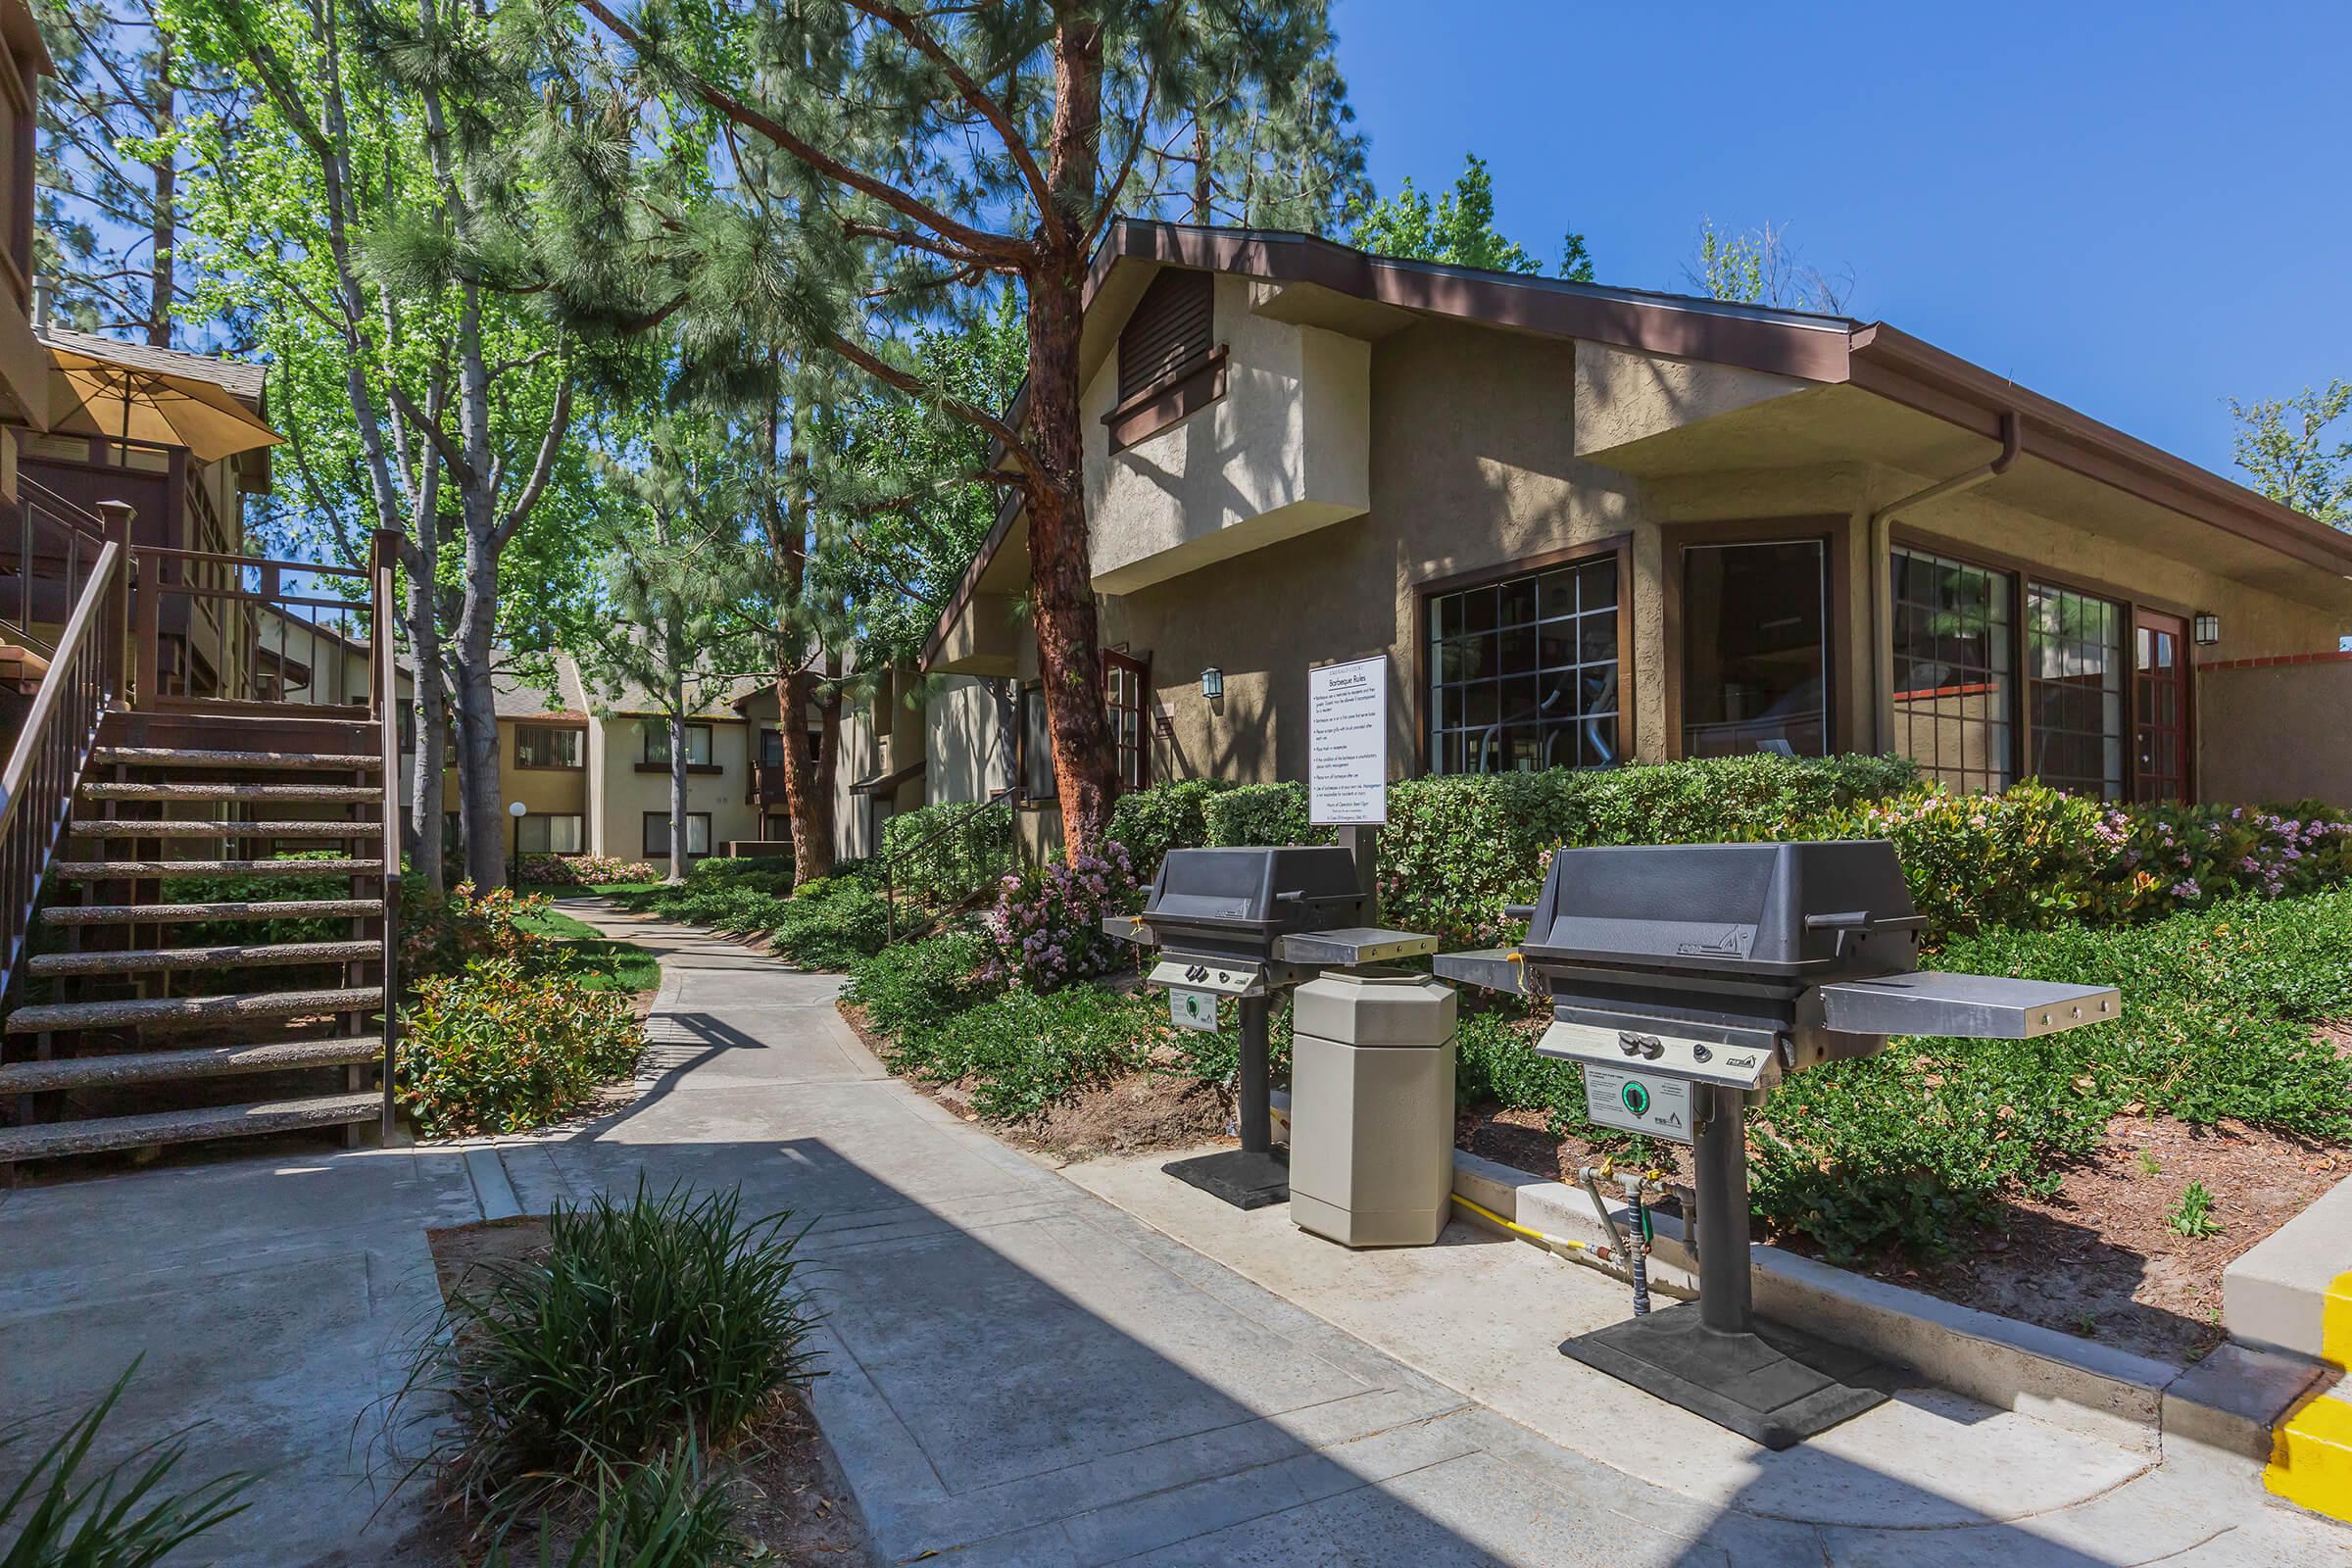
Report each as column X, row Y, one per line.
column 2227, row 1402
column 2292, row 1290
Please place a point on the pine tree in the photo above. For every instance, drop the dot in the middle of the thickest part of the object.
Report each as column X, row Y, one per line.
column 884, row 162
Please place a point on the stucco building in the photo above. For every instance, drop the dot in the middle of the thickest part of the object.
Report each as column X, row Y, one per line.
column 1588, row 525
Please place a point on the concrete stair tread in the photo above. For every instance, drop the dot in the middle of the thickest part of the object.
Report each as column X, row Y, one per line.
column 105, row 791
column 199, row 1062
column 54, row 1017
column 208, row 757
column 223, row 956
column 231, row 910
column 132, row 827
column 101, row 870
column 48, row 1139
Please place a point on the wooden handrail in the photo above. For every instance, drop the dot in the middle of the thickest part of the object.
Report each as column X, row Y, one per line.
column 219, row 558
column 386, row 703
column 61, row 730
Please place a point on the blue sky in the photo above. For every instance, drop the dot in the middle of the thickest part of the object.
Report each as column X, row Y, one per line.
column 2138, row 210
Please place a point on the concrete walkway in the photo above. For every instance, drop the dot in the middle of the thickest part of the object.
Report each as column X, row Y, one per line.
column 1023, row 1371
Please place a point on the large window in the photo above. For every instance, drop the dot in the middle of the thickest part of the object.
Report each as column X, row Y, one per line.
column 1169, row 333
column 2075, row 690
column 656, row 834
column 546, row 746
column 1954, row 643
column 1755, row 648
column 1523, row 673
column 656, row 743
column 557, row 833
column 1124, row 680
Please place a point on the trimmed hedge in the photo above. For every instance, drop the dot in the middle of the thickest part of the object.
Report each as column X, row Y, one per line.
column 826, row 924
column 1261, row 814
column 974, row 846
column 1167, row 816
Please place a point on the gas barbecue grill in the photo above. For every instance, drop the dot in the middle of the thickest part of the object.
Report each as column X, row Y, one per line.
column 1247, row 923
column 1686, row 980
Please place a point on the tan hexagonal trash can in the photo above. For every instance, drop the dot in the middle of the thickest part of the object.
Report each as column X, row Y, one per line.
column 1372, row 1107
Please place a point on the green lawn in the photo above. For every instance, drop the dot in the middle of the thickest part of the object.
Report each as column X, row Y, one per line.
column 614, row 966
column 574, row 890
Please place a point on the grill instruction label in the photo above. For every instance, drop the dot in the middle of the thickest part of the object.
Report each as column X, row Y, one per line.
column 1639, row 1103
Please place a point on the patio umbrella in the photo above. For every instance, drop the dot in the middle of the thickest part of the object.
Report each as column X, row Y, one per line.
column 126, row 403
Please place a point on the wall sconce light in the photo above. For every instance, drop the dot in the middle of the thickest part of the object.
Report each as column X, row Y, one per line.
column 1213, row 683
column 2205, row 629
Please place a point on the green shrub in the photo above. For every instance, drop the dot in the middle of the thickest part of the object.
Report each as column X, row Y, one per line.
column 949, row 852
column 1724, row 799
column 60, row 1514
column 1024, row 1050
column 645, row 1320
column 260, row 889
column 1167, row 816
column 440, row 934
column 915, row 986
column 827, row 923
column 1261, row 814
column 499, row 1048
column 667, row 1512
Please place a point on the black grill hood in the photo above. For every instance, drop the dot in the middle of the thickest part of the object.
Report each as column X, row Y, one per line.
column 1253, row 895
column 1812, row 911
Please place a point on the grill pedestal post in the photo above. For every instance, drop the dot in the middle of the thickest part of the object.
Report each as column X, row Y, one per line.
column 1251, row 1176
column 1712, row 1357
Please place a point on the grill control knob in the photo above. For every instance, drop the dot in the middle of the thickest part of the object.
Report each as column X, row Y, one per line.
column 1634, row 1045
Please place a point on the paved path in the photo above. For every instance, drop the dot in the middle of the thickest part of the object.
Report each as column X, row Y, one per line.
column 1020, row 1371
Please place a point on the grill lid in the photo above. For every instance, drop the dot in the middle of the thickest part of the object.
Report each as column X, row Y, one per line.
column 1813, row 911
column 1254, row 893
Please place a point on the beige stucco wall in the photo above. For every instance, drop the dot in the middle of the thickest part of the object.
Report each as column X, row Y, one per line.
column 543, row 791
column 966, row 749
column 624, row 795
column 1473, row 466
column 2277, row 733
column 1285, row 450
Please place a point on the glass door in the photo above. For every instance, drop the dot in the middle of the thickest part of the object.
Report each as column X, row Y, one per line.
column 2159, row 706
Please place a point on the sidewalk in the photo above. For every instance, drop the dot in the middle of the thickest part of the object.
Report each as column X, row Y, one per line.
column 1021, row 1371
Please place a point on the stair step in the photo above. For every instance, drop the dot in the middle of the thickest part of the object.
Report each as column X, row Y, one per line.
column 100, row 870
column 136, row 828
column 203, row 757
column 227, row 955
column 102, row 791
column 47, row 1138
column 53, row 1016
column 182, row 914
column 166, row 1067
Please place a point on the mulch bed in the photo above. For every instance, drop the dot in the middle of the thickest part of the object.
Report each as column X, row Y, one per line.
column 2097, row 1258
column 789, row 1496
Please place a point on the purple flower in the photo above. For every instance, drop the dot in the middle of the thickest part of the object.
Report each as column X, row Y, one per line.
column 2187, row 889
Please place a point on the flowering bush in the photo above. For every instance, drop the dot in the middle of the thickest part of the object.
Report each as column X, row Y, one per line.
column 441, row 933
column 501, row 1047
column 583, row 870
column 1047, row 927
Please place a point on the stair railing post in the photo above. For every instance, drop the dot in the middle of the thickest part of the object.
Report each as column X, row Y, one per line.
column 385, row 700
column 114, row 516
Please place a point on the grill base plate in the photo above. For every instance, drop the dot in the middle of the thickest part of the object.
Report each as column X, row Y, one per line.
column 1775, row 1385
column 1238, row 1176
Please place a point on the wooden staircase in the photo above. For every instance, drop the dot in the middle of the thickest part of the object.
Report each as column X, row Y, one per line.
column 149, row 1018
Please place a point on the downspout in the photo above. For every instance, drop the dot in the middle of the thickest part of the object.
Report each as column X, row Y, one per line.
column 1881, row 554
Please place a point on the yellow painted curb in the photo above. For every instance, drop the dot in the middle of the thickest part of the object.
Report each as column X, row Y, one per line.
column 2310, row 1457
column 2335, row 1322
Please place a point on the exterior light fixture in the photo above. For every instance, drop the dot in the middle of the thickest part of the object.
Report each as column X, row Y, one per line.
column 2206, row 629
column 1213, row 683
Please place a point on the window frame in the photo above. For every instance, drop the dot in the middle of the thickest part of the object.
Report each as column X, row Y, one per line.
column 1138, row 669
column 2024, row 575
column 1428, row 590
column 648, row 729
column 2015, row 675
column 1834, row 532
column 579, row 748
column 1031, row 693
column 646, row 841
column 529, row 817
column 1142, row 409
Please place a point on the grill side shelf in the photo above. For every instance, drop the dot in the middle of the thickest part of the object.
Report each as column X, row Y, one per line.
column 1975, row 1006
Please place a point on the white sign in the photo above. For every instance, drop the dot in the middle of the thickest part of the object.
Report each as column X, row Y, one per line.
column 1639, row 1103
column 1193, row 1010
column 1347, row 742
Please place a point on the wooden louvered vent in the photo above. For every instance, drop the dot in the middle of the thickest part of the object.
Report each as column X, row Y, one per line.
column 1169, row 335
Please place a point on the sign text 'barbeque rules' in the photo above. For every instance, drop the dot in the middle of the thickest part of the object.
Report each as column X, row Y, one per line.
column 1347, row 742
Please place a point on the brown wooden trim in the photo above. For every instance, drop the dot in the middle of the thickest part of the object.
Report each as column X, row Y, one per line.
column 1834, row 532
column 1620, row 545
column 1168, row 402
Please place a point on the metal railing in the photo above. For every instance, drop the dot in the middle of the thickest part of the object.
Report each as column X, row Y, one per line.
column 83, row 681
column 48, row 557
column 892, row 859
column 384, row 702
column 293, row 649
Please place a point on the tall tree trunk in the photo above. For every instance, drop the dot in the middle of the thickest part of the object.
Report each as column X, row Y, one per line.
column 1060, row 593
column 807, row 786
column 674, row 656
column 477, row 708
column 428, row 727
column 165, row 233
